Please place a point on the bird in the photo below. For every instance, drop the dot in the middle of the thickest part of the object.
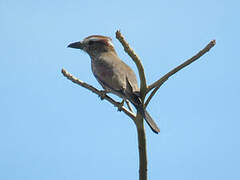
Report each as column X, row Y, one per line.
column 114, row 75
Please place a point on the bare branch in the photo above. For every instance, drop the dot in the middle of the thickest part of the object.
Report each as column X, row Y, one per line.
column 98, row 92
column 144, row 89
column 139, row 119
column 151, row 95
column 137, row 61
column 142, row 148
column 189, row 61
column 129, row 105
column 163, row 79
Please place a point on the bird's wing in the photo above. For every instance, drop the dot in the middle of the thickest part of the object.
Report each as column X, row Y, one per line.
column 132, row 95
column 107, row 75
column 114, row 74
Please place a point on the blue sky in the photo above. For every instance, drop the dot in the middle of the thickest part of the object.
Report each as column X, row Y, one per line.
column 51, row 128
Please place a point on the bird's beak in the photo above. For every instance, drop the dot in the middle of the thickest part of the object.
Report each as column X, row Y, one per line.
column 76, row 45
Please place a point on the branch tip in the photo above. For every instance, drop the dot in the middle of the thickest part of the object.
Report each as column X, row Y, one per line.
column 98, row 92
column 157, row 84
column 137, row 61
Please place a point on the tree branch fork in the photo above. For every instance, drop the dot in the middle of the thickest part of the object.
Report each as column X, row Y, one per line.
column 144, row 90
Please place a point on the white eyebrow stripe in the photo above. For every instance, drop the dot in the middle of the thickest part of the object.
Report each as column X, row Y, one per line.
column 93, row 39
column 98, row 39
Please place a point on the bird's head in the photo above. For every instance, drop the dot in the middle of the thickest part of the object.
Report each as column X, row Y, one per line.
column 94, row 45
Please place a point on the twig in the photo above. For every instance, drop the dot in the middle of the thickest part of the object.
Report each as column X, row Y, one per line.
column 98, row 92
column 189, row 61
column 137, row 61
column 151, row 95
column 129, row 105
column 163, row 79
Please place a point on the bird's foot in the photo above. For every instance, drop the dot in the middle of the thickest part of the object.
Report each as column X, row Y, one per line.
column 102, row 94
column 120, row 105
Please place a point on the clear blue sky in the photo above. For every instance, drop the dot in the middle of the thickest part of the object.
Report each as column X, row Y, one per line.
column 52, row 129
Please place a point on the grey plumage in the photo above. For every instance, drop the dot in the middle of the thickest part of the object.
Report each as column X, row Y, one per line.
column 112, row 73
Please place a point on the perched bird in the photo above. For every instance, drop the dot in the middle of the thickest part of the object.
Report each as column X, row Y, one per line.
column 112, row 73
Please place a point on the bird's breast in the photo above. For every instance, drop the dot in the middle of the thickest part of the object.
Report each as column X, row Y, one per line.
column 101, row 69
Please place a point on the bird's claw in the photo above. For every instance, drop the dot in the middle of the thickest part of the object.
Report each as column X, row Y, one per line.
column 102, row 94
column 120, row 105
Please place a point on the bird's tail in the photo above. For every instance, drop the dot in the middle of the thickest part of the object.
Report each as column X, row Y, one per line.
column 136, row 101
column 149, row 120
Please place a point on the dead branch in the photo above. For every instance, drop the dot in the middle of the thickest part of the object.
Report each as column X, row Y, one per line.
column 98, row 92
column 189, row 61
column 163, row 79
column 144, row 89
column 142, row 148
column 137, row 61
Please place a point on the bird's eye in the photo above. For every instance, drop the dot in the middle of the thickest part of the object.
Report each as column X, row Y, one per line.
column 90, row 42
